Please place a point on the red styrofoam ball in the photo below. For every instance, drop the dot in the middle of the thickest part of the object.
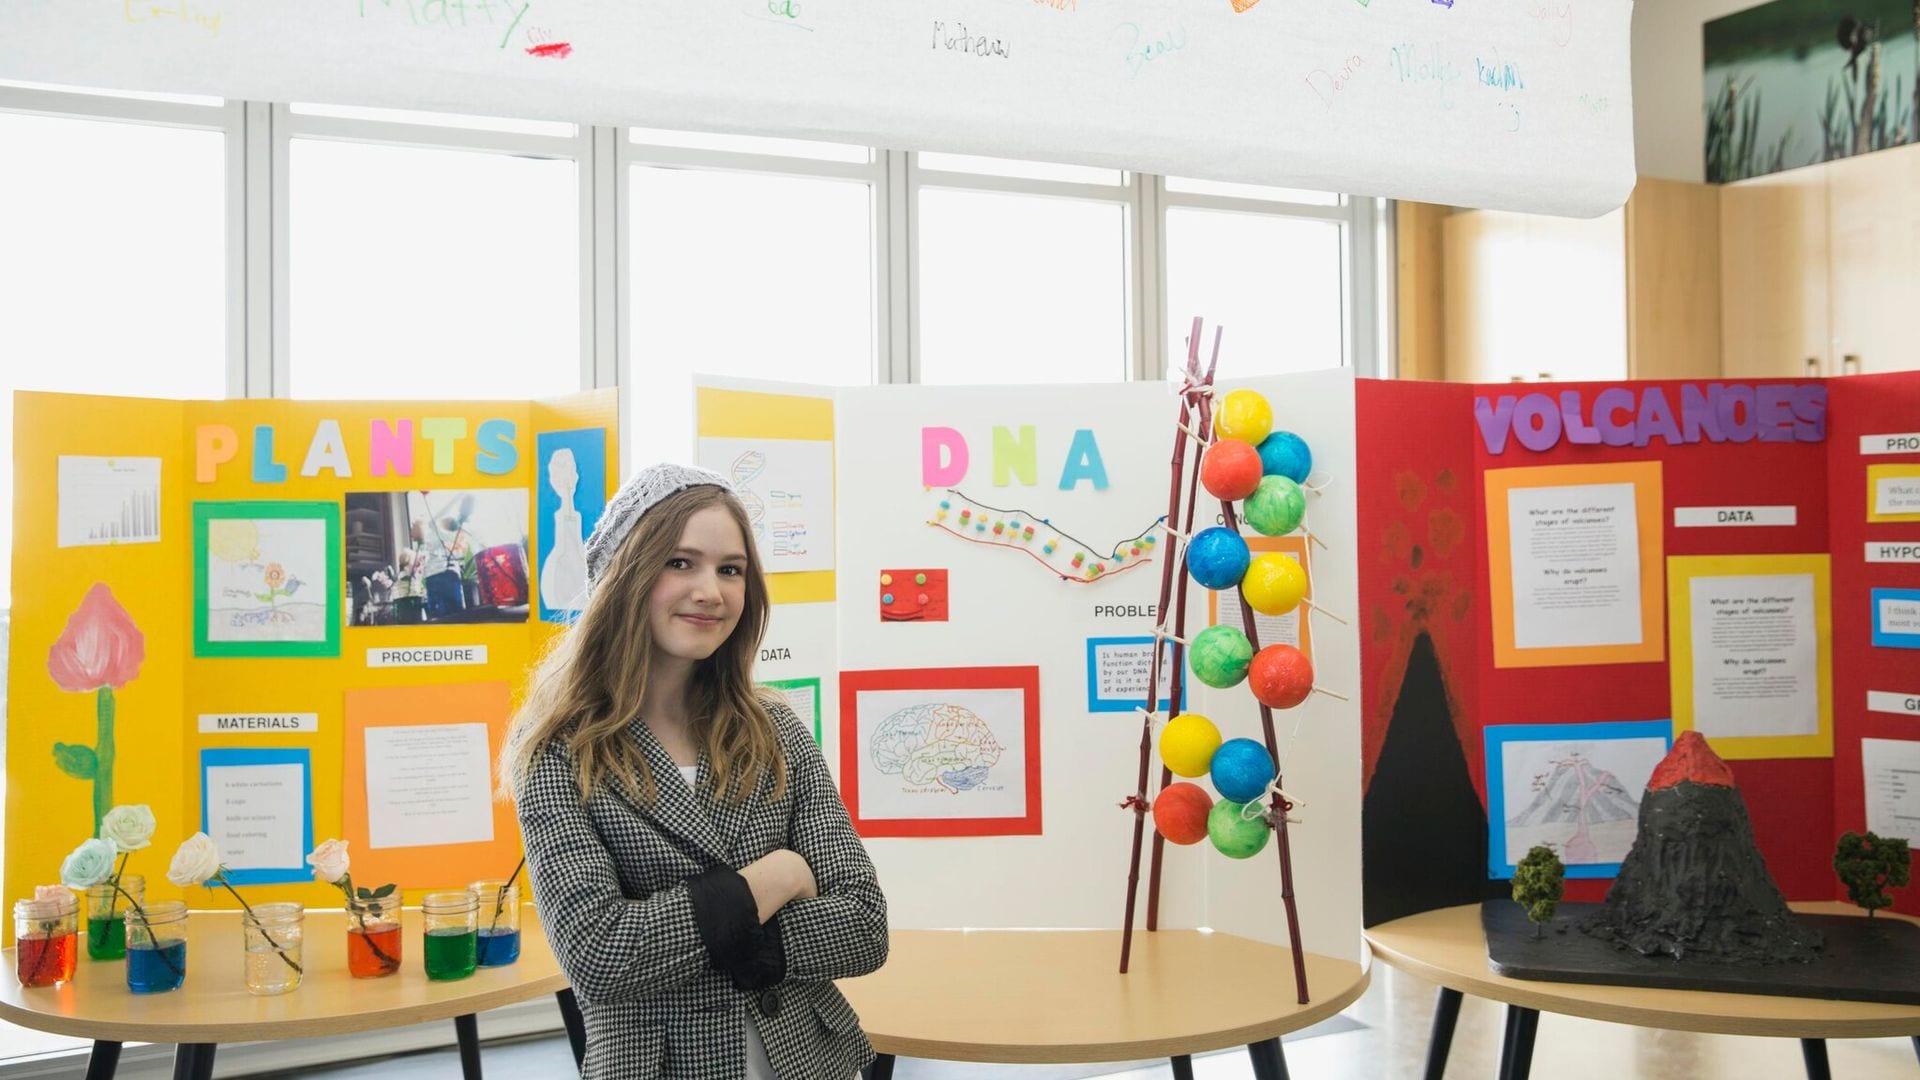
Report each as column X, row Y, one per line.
column 1180, row 813
column 1280, row 676
column 1230, row 470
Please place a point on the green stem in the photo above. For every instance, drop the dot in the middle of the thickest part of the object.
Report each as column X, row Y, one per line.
column 113, row 898
column 360, row 916
column 103, row 755
column 221, row 877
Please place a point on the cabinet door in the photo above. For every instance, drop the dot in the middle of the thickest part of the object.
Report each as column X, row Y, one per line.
column 1530, row 296
column 1875, row 264
column 1773, row 276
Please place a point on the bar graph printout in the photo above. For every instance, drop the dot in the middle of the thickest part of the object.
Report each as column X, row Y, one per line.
column 109, row 500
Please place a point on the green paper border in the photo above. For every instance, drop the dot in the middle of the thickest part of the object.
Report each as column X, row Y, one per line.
column 791, row 684
column 270, row 509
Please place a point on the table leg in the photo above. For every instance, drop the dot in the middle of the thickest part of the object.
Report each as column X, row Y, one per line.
column 1516, row 1055
column 1269, row 1061
column 1182, row 1067
column 576, row 1026
column 104, row 1061
column 880, row 1069
column 1916, row 1046
column 193, row 1061
column 1446, row 1015
column 467, row 1030
column 1815, row 1053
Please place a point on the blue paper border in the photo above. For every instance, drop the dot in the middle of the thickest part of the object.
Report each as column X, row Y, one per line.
column 227, row 757
column 589, row 446
column 1892, row 641
column 1095, row 704
column 1499, row 867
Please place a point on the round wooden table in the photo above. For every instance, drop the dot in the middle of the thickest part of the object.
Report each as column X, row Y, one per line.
column 214, row 1006
column 1056, row 996
column 1448, row 947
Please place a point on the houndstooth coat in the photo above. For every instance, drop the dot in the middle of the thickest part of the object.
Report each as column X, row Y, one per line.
column 610, row 882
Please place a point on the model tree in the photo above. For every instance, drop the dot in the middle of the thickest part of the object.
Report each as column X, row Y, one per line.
column 1538, row 883
column 1868, row 865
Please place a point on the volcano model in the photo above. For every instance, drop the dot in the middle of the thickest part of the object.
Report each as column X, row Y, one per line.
column 1694, row 886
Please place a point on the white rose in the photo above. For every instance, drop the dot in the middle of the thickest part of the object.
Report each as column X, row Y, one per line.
column 128, row 828
column 197, row 860
column 90, row 864
column 329, row 862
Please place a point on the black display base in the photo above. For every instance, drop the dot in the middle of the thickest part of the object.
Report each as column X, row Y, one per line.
column 1862, row 960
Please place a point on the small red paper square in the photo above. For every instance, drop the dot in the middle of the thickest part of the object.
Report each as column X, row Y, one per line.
column 913, row 595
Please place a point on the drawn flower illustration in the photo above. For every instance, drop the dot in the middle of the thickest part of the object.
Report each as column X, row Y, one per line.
column 100, row 651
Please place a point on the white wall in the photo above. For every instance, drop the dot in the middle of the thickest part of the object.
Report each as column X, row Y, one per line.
column 1668, row 123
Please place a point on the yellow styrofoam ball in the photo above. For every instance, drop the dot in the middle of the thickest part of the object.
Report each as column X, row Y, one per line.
column 1244, row 415
column 1188, row 743
column 1274, row 584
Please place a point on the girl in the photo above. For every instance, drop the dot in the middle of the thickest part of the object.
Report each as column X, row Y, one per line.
column 695, row 869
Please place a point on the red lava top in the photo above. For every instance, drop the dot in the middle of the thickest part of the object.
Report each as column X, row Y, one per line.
column 1691, row 759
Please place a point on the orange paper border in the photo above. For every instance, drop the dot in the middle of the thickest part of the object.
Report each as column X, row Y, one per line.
column 436, row 866
column 1649, row 505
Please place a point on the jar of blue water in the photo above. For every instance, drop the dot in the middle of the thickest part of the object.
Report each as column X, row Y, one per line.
column 499, row 943
column 157, row 947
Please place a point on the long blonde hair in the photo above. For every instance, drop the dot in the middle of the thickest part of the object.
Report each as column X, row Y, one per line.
column 590, row 684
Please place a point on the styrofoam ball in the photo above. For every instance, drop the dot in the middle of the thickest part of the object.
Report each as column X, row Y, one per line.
column 1285, row 454
column 1274, row 584
column 1280, row 677
column 1180, row 813
column 1242, row 769
column 1187, row 744
column 1217, row 557
column 1219, row 656
column 1276, row 507
column 1233, row 833
column 1230, row 470
column 1244, row 415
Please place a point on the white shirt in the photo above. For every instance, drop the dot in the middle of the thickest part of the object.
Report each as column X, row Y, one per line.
column 758, row 1065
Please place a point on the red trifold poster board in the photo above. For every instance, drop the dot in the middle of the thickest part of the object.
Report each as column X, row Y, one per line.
column 1557, row 578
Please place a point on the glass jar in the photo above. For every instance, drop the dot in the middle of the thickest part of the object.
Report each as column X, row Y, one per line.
column 498, row 943
column 373, row 936
column 452, row 925
column 157, row 947
column 272, row 934
column 107, row 916
column 46, row 933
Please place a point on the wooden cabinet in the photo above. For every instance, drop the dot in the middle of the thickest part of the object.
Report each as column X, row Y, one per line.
column 1873, row 228
column 1821, row 264
column 1632, row 294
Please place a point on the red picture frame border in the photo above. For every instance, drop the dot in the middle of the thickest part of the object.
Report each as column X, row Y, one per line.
column 1023, row 678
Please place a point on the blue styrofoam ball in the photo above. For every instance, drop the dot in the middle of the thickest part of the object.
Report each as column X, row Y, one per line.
column 1285, row 454
column 1218, row 557
column 1242, row 769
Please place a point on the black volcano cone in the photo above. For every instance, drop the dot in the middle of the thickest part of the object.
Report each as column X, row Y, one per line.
column 1694, row 886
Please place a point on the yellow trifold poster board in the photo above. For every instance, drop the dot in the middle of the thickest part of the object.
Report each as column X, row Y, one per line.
column 209, row 597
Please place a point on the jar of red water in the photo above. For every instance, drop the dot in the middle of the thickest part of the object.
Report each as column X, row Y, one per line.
column 46, row 933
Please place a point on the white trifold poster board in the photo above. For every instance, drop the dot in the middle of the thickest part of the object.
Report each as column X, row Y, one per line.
column 1519, row 106
column 920, row 596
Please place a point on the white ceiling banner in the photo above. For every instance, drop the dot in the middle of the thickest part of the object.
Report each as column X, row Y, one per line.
column 1508, row 104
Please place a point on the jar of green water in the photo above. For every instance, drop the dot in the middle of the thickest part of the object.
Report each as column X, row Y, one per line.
column 452, row 933
column 107, row 916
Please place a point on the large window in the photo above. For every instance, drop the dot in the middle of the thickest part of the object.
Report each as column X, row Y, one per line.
column 113, row 263
column 754, row 273
column 422, row 271
column 1021, row 288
